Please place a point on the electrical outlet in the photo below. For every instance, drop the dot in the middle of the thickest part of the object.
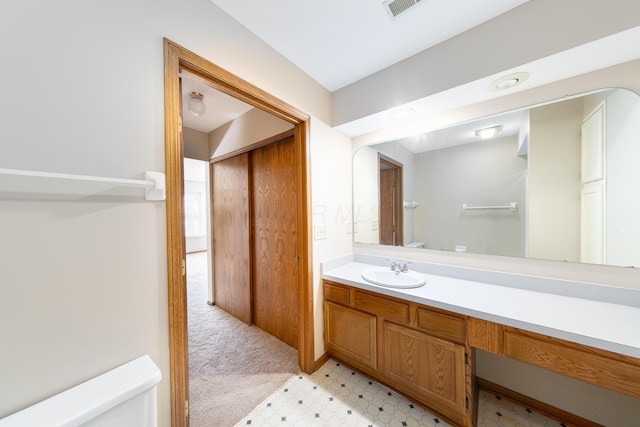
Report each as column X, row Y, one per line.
column 319, row 232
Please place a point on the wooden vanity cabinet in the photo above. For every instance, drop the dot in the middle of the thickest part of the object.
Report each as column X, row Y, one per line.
column 415, row 349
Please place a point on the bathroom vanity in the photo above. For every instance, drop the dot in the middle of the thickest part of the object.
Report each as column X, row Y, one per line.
column 421, row 341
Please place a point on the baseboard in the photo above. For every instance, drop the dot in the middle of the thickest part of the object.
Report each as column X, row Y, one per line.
column 564, row 417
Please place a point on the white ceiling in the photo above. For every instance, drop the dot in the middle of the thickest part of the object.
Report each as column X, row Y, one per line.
column 221, row 108
column 338, row 42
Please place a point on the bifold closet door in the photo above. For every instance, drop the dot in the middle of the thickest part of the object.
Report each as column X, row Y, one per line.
column 274, row 220
column 230, row 229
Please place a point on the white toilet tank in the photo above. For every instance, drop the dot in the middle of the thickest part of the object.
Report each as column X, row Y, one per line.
column 125, row 396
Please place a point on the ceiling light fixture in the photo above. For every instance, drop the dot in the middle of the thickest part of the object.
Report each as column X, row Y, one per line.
column 196, row 104
column 509, row 81
column 487, row 133
column 403, row 113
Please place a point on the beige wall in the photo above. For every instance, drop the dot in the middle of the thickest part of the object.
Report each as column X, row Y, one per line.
column 83, row 284
column 554, row 181
column 196, row 144
column 250, row 128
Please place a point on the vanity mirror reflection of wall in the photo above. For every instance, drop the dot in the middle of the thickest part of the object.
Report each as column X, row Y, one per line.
column 559, row 181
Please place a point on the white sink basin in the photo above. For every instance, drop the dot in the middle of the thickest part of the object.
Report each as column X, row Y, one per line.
column 384, row 276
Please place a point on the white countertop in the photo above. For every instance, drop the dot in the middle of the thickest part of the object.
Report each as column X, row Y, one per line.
column 603, row 325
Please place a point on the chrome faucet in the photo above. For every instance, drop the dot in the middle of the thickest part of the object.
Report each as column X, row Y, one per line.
column 399, row 267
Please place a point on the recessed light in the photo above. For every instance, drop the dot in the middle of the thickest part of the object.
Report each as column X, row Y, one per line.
column 509, row 81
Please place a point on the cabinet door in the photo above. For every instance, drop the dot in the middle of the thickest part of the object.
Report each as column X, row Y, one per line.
column 427, row 368
column 350, row 335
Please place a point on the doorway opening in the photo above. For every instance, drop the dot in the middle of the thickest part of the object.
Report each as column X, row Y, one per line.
column 177, row 60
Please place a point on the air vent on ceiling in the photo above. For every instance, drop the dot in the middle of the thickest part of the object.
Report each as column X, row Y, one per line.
column 396, row 7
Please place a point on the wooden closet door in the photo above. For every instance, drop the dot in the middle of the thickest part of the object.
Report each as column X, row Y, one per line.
column 230, row 229
column 275, row 266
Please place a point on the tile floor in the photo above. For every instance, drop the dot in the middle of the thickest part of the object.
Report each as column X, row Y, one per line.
column 337, row 396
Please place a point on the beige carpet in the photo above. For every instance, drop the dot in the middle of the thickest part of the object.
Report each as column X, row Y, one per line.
column 233, row 367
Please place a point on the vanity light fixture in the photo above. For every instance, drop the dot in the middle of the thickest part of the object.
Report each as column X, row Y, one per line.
column 487, row 133
column 508, row 81
column 196, row 104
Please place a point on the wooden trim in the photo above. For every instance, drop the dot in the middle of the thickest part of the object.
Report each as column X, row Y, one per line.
column 259, row 144
column 557, row 414
column 485, row 335
column 321, row 361
column 178, row 338
column 176, row 59
column 305, row 245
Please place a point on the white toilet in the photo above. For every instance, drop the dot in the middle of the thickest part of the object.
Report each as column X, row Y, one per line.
column 124, row 396
column 414, row 245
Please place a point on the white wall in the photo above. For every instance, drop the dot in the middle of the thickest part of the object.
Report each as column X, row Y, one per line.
column 83, row 279
column 366, row 196
column 331, row 190
column 623, row 178
column 482, row 173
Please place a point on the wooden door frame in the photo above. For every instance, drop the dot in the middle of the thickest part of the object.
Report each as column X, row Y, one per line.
column 175, row 59
column 398, row 208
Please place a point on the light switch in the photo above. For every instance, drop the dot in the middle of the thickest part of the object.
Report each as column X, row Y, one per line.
column 319, row 232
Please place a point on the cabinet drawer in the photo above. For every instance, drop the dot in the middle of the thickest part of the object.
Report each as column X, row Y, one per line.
column 383, row 307
column 336, row 293
column 440, row 324
column 596, row 367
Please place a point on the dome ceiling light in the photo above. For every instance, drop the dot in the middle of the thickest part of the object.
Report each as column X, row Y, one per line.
column 196, row 103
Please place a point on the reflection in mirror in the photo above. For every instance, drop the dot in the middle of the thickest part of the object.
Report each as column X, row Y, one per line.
column 560, row 181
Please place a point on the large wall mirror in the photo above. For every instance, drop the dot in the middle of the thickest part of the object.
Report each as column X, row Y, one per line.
column 559, row 181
